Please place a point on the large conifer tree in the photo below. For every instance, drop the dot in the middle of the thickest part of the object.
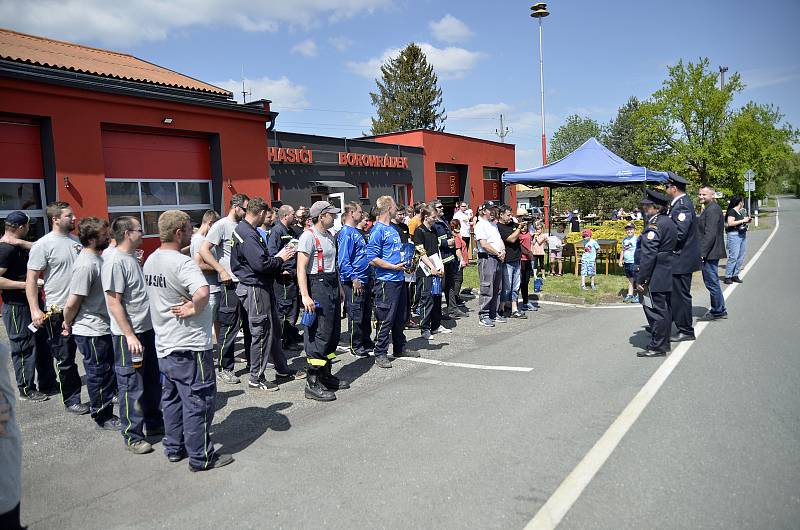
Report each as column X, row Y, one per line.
column 408, row 95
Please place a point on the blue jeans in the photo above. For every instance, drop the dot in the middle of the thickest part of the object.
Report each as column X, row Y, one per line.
column 511, row 274
column 711, row 279
column 737, row 247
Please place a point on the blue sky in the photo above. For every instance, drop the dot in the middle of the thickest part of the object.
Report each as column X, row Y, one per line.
column 317, row 59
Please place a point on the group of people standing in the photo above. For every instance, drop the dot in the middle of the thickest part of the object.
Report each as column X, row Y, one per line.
column 676, row 243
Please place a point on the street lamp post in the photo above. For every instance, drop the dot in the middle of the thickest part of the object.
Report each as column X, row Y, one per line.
column 539, row 11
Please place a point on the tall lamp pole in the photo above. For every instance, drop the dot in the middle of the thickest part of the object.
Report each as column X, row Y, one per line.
column 539, row 11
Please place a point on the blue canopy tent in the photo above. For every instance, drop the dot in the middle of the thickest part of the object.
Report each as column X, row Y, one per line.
column 591, row 165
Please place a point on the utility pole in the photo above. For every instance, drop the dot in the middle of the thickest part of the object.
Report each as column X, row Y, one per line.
column 722, row 70
column 502, row 132
column 245, row 92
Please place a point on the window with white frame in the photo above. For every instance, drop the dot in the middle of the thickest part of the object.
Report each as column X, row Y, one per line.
column 147, row 199
column 27, row 196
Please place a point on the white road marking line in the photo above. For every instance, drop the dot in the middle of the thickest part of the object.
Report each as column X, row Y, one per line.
column 467, row 365
column 587, row 306
column 560, row 502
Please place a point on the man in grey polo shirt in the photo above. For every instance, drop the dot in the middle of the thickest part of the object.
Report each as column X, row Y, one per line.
column 53, row 256
column 178, row 296
column 216, row 252
column 135, row 361
column 86, row 318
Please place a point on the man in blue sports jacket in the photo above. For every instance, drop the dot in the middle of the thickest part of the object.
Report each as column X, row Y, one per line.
column 354, row 276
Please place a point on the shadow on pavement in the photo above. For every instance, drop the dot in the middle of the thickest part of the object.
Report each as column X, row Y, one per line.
column 223, row 397
column 419, row 343
column 244, row 426
column 640, row 339
column 352, row 371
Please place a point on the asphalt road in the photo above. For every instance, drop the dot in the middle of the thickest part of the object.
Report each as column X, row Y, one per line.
column 435, row 446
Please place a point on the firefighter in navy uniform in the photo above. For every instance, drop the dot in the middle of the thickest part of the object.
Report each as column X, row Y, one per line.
column 687, row 256
column 654, row 277
column 285, row 285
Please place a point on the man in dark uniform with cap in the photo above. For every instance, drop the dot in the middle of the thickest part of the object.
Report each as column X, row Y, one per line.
column 687, row 256
column 654, row 277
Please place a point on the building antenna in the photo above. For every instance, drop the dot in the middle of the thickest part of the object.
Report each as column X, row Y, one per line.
column 502, row 132
column 245, row 92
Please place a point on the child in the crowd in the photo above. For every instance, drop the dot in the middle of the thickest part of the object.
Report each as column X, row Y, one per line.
column 537, row 249
column 590, row 248
column 626, row 261
column 556, row 245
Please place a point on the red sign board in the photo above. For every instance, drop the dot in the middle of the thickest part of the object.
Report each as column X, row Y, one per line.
column 491, row 190
column 448, row 184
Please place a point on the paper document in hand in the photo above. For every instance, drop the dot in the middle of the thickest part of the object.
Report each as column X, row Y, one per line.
column 437, row 264
column 647, row 300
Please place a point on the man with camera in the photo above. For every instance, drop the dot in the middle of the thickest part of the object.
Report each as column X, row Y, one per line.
column 510, row 231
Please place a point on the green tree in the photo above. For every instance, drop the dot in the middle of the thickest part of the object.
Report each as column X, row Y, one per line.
column 620, row 134
column 408, row 95
column 754, row 138
column 572, row 135
column 680, row 126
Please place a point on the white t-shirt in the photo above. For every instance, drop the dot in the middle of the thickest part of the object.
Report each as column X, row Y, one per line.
column 172, row 278
column 92, row 319
column 220, row 236
column 55, row 254
column 463, row 219
column 486, row 232
column 122, row 274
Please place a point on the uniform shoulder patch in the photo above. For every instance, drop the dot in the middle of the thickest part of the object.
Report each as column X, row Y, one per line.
column 652, row 227
column 682, row 216
column 651, row 235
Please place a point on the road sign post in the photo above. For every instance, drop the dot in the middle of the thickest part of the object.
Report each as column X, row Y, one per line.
column 749, row 187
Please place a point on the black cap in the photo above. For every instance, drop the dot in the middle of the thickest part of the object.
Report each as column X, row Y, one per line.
column 18, row 218
column 674, row 178
column 654, row 197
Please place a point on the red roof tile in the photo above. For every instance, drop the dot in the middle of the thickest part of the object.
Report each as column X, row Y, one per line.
column 51, row 53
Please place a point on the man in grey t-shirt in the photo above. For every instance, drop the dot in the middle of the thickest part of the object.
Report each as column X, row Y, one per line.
column 133, row 340
column 53, row 256
column 319, row 291
column 86, row 319
column 209, row 218
column 216, row 253
column 178, row 296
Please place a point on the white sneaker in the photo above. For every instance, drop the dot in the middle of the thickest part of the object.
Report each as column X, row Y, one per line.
column 441, row 329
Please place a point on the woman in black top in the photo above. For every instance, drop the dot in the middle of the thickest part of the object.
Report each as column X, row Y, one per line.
column 736, row 220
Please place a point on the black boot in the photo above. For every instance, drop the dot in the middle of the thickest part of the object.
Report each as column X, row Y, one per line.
column 314, row 389
column 330, row 381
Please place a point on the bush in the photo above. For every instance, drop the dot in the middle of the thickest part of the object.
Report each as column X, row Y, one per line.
column 608, row 230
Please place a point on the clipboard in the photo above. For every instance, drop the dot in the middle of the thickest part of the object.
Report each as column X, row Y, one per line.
column 646, row 298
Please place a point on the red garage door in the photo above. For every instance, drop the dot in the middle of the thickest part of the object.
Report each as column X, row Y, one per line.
column 21, row 173
column 147, row 174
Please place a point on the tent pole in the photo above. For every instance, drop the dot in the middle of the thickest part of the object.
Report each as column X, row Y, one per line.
column 549, row 213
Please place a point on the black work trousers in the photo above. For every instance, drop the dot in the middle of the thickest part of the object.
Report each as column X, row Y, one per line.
column 660, row 319
column 359, row 317
column 139, row 388
column 30, row 353
column 449, row 283
column 430, row 306
column 232, row 317
column 288, row 304
column 63, row 350
column 187, row 399
column 681, row 302
column 527, row 272
column 264, row 327
column 322, row 337
column 390, row 313
column 101, row 381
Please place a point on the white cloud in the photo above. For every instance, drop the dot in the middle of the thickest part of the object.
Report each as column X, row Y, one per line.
column 765, row 77
column 307, row 47
column 450, row 29
column 340, row 43
column 449, row 63
column 481, row 110
column 282, row 92
column 135, row 21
